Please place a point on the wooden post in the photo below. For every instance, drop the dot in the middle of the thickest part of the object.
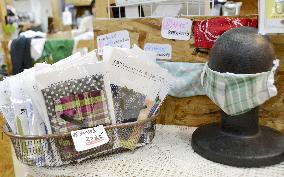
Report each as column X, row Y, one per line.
column 3, row 11
column 56, row 14
column 102, row 9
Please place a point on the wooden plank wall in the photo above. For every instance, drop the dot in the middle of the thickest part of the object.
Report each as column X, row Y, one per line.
column 193, row 111
column 6, row 163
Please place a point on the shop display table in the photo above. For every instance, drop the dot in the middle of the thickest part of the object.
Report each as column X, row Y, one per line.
column 169, row 155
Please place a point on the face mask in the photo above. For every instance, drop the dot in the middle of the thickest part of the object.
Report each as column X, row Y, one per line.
column 186, row 78
column 236, row 94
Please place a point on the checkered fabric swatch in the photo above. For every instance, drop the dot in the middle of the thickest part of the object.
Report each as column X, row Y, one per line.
column 237, row 93
column 76, row 104
column 89, row 108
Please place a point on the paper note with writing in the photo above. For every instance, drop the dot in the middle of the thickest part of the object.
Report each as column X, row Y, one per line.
column 164, row 51
column 89, row 138
column 115, row 39
column 176, row 28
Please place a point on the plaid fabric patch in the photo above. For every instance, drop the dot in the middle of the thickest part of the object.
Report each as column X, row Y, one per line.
column 237, row 93
column 89, row 108
column 77, row 104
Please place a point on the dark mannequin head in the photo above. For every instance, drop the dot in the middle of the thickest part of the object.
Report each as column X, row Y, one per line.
column 242, row 51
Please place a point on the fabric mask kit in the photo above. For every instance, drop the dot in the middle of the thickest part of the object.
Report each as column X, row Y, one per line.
column 238, row 93
column 139, row 81
column 81, row 92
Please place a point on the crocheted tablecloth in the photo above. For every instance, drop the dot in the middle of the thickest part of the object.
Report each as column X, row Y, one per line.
column 170, row 155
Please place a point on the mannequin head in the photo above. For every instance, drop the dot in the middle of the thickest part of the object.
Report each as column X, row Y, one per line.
column 242, row 51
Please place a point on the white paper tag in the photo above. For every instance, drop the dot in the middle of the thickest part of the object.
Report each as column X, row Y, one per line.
column 115, row 39
column 176, row 28
column 89, row 138
column 164, row 51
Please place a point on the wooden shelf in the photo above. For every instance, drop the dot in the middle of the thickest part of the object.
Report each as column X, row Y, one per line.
column 79, row 2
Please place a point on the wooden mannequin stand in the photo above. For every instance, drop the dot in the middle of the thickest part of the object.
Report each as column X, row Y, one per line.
column 239, row 140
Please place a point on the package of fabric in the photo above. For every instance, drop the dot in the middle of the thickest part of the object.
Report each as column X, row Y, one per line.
column 74, row 93
column 135, row 82
column 186, row 78
column 25, row 118
column 206, row 32
column 5, row 105
column 76, row 97
column 35, row 93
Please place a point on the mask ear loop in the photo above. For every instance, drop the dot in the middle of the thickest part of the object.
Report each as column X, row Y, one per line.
column 272, row 90
column 203, row 74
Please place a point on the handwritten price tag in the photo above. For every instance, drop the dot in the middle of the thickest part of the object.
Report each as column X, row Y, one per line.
column 164, row 51
column 176, row 28
column 89, row 138
column 115, row 39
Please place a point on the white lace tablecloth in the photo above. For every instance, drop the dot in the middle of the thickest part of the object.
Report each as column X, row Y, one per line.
column 169, row 155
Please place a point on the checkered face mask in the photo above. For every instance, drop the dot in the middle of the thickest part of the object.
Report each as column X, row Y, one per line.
column 236, row 94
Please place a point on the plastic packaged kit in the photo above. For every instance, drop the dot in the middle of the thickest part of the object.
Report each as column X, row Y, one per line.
column 122, row 93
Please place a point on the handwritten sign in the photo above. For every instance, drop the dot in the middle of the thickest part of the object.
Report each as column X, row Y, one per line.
column 176, row 28
column 115, row 39
column 164, row 51
column 89, row 138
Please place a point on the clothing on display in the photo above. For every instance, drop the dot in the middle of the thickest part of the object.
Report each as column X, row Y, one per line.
column 57, row 49
column 37, row 46
column 21, row 54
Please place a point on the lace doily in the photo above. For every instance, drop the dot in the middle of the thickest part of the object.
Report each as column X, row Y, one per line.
column 170, row 155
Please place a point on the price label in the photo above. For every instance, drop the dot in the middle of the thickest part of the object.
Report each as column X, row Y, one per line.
column 89, row 138
column 163, row 51
column 116, row 39
column 176, row 28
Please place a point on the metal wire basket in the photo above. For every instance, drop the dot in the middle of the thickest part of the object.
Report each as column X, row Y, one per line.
column 58, row 149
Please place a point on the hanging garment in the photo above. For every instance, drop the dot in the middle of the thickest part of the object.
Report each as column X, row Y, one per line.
column 21, row 54
column 186, row 78
column 37, row 46
column 206, row 32
column 57, row 49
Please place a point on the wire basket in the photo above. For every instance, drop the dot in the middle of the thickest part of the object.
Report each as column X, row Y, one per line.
column 58, row 149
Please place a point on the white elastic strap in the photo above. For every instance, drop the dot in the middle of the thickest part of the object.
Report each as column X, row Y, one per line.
column 272, row 90
column 203, row 74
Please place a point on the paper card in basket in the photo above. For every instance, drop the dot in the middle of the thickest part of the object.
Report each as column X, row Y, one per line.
column 89, row 138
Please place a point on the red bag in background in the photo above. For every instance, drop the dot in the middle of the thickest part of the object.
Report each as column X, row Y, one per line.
column 206, row 32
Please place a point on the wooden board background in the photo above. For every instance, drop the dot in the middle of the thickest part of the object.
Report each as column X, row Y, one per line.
column 193, row 111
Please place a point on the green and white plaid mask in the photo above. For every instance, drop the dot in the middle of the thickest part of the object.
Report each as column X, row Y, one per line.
column 239, row 93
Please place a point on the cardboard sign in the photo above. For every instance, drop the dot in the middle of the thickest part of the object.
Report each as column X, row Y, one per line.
column 115, row 39
column 176, row 28
column 164, row 51
column 89, row 138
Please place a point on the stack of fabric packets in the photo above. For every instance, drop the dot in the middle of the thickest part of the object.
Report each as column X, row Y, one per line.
column 81, row 92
